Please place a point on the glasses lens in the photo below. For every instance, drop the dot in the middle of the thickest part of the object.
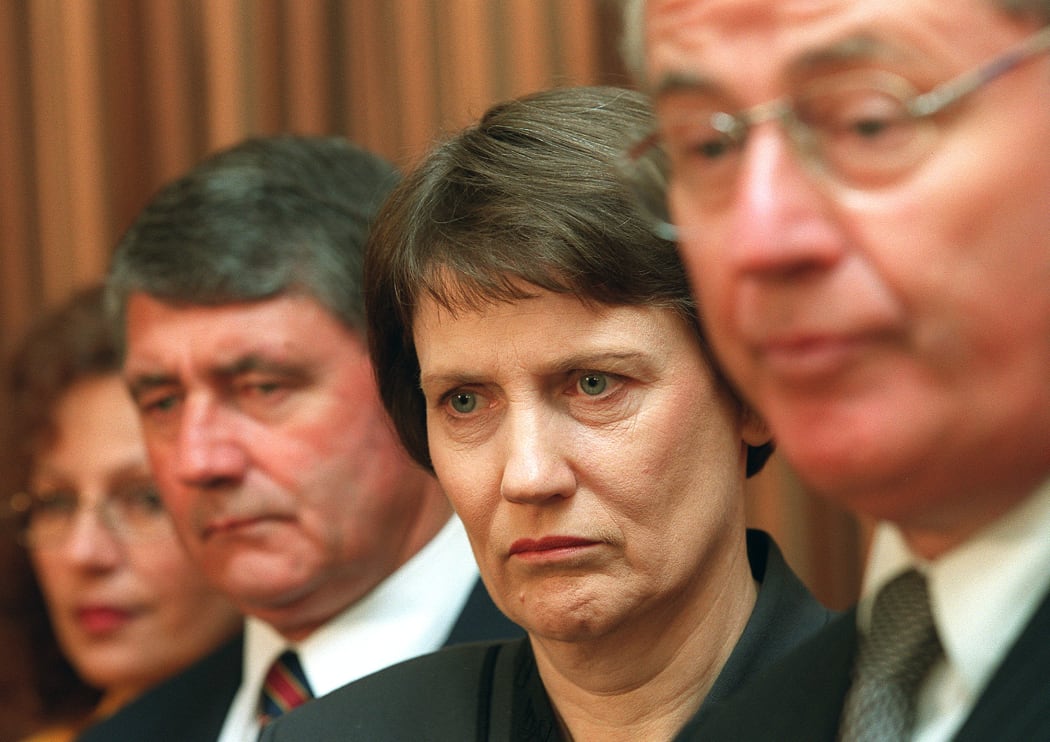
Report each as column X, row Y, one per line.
column 857, row 128
column 137, row 511
column 134, row 512
column 45, row 517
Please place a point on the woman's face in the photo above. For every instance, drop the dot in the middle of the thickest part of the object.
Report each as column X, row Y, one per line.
column 127, row 612
column 594, row 460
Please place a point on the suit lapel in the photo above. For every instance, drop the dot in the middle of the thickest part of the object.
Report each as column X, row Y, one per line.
column 797, row 698
column 819, row 678
column 1016, row 703
column 481, row 620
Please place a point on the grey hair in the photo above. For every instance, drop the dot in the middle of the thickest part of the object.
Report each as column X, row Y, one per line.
column 269, row 216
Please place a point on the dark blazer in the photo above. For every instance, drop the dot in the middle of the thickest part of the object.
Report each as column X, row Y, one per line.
column 492, row 691
column 801, row 697
column 192, row 706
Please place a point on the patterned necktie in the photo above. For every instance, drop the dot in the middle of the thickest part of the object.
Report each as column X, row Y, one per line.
column 893, row 658
column 285, row 687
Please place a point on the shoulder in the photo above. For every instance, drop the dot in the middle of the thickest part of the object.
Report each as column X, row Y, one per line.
column 785, row 615
column 53, row 734
column 480, row 620
column 786, row 611
column 436, row 696
column 798, row 696
column 161, row 714
column 1015, row 704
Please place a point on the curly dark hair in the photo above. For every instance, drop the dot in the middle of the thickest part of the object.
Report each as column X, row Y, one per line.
column 68, row 345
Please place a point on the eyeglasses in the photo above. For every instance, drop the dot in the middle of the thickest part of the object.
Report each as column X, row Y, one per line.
column 863, row 129
column 133, row 511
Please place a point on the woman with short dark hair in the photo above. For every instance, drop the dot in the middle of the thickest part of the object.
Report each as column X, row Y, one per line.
column 537, row 348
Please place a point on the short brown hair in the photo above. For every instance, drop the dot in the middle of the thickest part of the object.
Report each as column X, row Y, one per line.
column 528, row 195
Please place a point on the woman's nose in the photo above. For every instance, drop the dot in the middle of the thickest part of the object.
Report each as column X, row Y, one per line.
column 536, row 467
column 92, row 541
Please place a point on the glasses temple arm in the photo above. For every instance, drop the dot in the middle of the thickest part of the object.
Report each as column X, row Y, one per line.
column 930, row 103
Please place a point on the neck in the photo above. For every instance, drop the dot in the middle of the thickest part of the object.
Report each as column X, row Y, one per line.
column 297, row 620
column 932, row 536
column 644, row 681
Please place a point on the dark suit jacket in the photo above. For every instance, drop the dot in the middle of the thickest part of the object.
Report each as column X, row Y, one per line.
column 192, row 706
column 801, row 697
column 492, row 691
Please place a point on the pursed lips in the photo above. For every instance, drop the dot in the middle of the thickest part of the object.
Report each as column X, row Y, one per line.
column 228, row 524
column 548, row 544
column 103, row 618
column 816, row 357
column 803, row 333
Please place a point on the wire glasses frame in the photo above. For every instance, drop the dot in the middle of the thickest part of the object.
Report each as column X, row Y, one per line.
column 863, row 128
column 133, row 512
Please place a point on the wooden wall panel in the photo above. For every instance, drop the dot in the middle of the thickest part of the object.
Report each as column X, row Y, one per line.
column 18, row 268
column 167, row 108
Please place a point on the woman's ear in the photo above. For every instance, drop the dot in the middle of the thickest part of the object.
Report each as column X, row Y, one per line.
column 754, row 430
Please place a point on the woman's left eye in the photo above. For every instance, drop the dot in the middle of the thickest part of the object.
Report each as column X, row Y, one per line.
column 463, row 402
column 593, row 384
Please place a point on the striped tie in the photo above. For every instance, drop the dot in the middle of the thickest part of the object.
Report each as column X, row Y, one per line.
column 285, row 687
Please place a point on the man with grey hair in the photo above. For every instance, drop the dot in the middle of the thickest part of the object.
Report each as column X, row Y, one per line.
column 238, row 293
column 859, row 192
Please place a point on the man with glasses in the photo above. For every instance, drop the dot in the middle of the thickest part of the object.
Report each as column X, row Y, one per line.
column 861, row 193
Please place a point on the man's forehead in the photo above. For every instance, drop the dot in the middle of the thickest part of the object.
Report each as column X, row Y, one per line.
column 795, row 39
column 170, row 362
column 861, row 46
column 165, row 337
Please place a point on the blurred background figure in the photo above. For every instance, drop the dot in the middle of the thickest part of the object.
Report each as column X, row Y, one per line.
column 109, row 601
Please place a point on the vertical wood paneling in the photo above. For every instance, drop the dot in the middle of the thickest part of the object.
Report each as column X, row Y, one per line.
column 168, row 71
column 224, row 72
column 466, row 58
column 369, row 99
column 17, row 202
column 578, row 41
column 51, row 143
column 307, row 74
column 527, row 51
column 85, row 167
column 265, row 86
column 411, row 83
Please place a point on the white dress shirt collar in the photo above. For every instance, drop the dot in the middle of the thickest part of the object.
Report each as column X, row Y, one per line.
column 982, row 594
column 408, row 614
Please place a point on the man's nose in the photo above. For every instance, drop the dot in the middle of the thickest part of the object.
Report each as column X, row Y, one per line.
column 209, row 446
column 784, row 222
